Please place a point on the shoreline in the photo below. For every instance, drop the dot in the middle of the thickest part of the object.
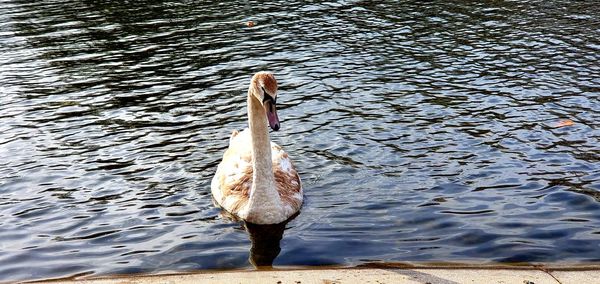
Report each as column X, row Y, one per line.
column 442, row 273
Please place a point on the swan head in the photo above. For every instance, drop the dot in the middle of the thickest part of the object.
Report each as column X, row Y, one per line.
column 264, row 89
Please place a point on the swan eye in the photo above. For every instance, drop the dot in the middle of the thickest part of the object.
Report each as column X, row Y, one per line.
column 267, row 96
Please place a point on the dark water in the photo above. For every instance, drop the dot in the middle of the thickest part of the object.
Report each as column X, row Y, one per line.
column 423, row 131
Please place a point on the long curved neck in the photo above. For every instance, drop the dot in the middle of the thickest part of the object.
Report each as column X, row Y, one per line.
column 264, row 203
column 261, row 145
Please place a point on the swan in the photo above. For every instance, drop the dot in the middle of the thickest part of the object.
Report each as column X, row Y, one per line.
column 256, row 180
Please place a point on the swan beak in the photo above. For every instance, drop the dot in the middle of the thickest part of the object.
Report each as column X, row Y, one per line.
column 271, row 111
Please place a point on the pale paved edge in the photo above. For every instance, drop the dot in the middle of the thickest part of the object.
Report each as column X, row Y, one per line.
column 361, row 275
column 578, row 277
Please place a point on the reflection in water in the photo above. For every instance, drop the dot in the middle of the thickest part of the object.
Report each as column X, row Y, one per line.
column 265, row 243
column 265, row 239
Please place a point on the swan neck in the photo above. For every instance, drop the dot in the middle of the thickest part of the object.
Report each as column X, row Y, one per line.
column 261, row 146
column 264, row 204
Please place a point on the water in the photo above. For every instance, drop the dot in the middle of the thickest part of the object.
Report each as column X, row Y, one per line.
column 423, row 131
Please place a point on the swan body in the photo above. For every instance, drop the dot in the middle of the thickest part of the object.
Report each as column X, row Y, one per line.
column 256, row 181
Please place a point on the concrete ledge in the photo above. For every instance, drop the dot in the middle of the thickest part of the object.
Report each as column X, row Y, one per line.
column 423, row 275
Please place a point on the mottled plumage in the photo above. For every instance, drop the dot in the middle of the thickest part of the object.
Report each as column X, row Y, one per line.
column 233, row 180
column 232, row 185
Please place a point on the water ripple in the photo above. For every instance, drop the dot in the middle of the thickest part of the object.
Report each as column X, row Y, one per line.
column 422, row 131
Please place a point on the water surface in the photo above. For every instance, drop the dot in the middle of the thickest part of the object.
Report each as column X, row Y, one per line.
column 423, row 131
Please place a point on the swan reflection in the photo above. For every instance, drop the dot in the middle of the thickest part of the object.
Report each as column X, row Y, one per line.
column 265, row 243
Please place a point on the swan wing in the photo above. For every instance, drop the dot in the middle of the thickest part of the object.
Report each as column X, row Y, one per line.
column 287, row 180
column 232, row 181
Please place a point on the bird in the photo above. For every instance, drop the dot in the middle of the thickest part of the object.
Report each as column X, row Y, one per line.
column 256, row 180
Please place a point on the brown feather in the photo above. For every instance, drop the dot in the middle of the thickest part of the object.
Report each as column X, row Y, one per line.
column 241, row 187
column 269, row 82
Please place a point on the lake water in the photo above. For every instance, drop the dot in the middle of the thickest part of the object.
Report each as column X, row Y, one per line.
column 423, row 132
